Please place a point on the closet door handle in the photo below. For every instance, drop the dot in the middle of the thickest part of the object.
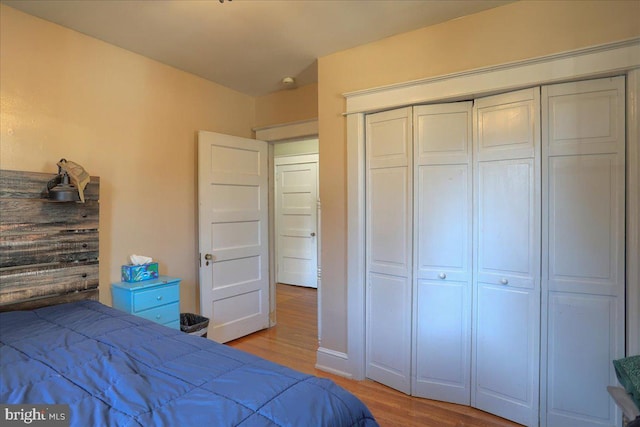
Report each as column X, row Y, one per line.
column 442, row 276
column 504, row 281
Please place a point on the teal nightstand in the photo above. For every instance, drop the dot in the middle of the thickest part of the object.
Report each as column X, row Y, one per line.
column 157, row 300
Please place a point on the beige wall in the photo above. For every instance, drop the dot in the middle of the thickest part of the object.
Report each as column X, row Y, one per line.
column 303, row 146
column 513, row 32
column 287, row 106
column 128, row 119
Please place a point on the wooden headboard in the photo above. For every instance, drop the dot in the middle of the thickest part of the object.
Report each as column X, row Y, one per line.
column 48, row 250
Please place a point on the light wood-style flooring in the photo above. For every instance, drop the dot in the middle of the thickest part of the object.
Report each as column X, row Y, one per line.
column 293, row 343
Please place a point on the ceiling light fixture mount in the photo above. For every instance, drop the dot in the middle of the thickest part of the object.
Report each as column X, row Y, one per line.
column 288, row 81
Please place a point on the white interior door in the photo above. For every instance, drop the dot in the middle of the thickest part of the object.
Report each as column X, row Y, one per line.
column 442, row 260
column 583, row 241
column 389, row 248
column 233, row 234
column 506, row 346
column 296, row 220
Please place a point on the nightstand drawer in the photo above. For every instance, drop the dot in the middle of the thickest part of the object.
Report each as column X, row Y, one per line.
column 164, row 314
column 157, row 300
column 143, row 300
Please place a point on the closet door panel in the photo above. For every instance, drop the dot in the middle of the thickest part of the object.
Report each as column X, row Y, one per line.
column 581, row 340
column 389, row 331
column 443, row 133
column 442, row 252
column 389, row 221
column 506, row 248
column 582, row 120
column 389, row 247
column 506, row 354
column 443, row 225
column 584, row 224
column 583, row 271
column 389, row 138
column 505, row 126
column 507, row 223
column 442, row 340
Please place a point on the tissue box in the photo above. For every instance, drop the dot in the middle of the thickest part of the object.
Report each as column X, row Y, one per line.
column 138, row 273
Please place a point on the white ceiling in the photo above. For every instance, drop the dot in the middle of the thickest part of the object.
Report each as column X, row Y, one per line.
column 246, row 45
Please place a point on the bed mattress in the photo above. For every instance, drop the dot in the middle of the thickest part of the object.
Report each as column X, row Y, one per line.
column 115, row 369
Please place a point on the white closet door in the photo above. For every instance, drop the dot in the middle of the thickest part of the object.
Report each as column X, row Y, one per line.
column 442, row 261
column 505, row 366
column 583, row 242
column 389, row 248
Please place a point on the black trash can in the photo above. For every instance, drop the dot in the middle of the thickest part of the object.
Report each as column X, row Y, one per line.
column 194, row 324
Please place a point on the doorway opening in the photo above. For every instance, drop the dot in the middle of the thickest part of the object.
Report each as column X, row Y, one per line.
column 297, row 138
column 295, row 215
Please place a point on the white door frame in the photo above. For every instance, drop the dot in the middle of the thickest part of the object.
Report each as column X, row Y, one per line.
column 273, row 134
column 605, row 60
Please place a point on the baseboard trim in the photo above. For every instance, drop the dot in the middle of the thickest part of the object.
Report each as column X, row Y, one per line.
column 334, row 362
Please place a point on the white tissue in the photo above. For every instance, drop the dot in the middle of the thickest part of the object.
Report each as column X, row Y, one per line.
column 140, row 259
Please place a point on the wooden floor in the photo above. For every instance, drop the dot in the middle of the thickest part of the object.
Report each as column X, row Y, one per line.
column 293, row 342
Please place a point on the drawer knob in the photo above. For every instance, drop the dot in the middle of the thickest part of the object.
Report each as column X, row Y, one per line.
column 158, row 317
column 442, row 275
column 159, row 297
column 504, row 281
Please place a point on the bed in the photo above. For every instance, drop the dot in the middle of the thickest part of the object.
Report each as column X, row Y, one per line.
column 115, row 369
column 59, row 345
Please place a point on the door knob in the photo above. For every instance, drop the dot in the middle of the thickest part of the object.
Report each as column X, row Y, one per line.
column 208, row 257
column 313, row 234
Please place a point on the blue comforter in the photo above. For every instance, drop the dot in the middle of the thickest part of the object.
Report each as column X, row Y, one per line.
column 115, row 369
